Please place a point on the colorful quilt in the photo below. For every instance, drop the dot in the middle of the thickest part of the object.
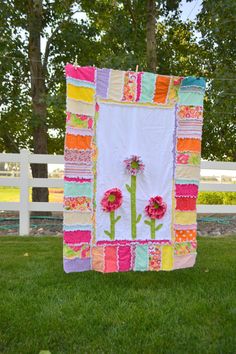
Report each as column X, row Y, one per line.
column 132, row 167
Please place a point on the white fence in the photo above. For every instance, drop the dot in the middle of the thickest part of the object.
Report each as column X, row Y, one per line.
column 25, row 181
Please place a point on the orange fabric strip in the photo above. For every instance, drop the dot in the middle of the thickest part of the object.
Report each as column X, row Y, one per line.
column 185, row 235
column 78, row 141
column 98, row 259
column 161, row 91
column 189, row 145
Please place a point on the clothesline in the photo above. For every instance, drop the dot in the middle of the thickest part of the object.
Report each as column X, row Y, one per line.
column 220, row 112
column 39, row 61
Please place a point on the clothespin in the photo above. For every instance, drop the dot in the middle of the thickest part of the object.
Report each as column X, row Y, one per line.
column 136, row 68
column 76, row 62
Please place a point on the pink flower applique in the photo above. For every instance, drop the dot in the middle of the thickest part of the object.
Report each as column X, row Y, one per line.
column 111, row 200
column 156, row 208
column 134, row 165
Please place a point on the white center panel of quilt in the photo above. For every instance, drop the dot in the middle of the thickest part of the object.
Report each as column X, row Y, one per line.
column 135, row 163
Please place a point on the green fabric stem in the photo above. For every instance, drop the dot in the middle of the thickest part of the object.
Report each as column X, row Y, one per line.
column 134, row 218
column 133, row 207
column 112, row 225
column 113, row 221
column 153, row 230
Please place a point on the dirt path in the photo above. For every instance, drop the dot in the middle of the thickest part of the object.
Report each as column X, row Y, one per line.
column 208, row 224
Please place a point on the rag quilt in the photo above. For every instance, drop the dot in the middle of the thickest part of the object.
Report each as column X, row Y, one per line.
column 132, row 168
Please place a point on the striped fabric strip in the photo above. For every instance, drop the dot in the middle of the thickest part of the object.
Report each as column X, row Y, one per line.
column 77, row 179
column 185, row 227
column 81, row 171
column 139, row 83
column 190, row 122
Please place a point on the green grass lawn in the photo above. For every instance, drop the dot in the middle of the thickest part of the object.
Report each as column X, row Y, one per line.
column 184, row 311
column 12, row 194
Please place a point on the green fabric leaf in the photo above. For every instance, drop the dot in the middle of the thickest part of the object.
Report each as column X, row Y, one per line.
column 107, row 233
column 117, row 219
column 138, row 218
column 128, row 188
column 158, row 227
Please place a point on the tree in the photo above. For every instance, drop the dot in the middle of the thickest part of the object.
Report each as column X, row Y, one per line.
column 33, row 90
column 216, row 22
column 118, row 34
column 151, row 36
column 34, row 17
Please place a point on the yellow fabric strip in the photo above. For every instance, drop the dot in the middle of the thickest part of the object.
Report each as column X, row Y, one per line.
column 152, row 105
column 186, row 171
column 185, row 217
column 167, row 257
column 77, row 218
column 116, row 85
column 86, row 94
column 78, row 107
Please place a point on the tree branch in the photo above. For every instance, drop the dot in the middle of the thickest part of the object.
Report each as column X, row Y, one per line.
column 131, row 12
column 9, row 142
column 47, row 48
column 50, row 39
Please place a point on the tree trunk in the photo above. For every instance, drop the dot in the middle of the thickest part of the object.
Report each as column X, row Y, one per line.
column 151, row 36
column 38, row 95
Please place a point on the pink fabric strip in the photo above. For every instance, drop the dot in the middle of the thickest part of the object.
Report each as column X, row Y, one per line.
column 190, row 190
column 110, row 259
column 126, row 242
column 86, row 73
column 76, row 179
column 124, row 257
column 77, row 236
column 139, row 81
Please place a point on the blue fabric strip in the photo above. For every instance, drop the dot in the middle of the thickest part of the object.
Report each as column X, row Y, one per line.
column 147, row 87
column 79, row 83
column 194, row 81
column 73, row 189
column 191, row 98
column 141, row 258
column 77, row 227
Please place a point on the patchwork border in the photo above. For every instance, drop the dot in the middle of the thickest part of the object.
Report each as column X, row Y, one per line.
column 86, row 87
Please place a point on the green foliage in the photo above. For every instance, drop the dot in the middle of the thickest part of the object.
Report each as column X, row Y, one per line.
column 216, row 22
column 64, row 36
column 113, row 34
column 217, row 198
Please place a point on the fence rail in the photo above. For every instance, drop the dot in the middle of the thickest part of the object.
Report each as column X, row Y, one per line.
column 25, row 181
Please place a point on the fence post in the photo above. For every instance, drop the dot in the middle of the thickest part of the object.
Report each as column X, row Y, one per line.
column 24, row 193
